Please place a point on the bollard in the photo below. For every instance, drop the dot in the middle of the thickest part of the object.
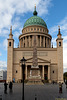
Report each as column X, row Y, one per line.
column 66, row 86
column 0, row 97
column 35, row 97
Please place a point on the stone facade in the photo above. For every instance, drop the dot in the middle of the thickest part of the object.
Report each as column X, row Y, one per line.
column 49, row 60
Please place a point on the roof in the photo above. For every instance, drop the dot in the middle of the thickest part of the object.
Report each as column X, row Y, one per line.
column 35, row 20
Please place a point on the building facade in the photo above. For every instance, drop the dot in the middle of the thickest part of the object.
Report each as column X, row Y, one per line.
column 43, row 61
column 3, row 75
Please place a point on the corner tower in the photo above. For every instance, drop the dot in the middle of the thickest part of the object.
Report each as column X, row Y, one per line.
column 60, row 56
column 10, row 57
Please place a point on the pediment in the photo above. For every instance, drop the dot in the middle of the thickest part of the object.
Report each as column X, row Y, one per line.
column 39, row 60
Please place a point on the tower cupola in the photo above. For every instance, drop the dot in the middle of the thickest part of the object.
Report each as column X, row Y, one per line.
column 11, row 35
column 59, row 33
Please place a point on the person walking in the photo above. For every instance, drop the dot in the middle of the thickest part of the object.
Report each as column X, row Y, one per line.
column 5, row 87
column 10, row 86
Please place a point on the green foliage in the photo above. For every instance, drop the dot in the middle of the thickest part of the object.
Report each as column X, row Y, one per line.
column 65, row 76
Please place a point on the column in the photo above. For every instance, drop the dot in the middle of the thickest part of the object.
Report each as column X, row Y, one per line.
column 40, row 40
column 25, row 41
column 43, row 72
column 44, row 41
column 26, row 72
column 20, row 43
column 48, row 72
column 50, row 43
column 29, row 42
column 37, row 41
column 32, row 40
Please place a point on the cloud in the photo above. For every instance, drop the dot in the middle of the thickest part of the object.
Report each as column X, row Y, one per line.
column 3, row 65
column 10, row 9
column 63, row 27
column 43, row 6
column 5, row 44
column 65, row 70
column 0, row 54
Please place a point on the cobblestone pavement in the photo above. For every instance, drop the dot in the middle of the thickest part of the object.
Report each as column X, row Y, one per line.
column 42, row 92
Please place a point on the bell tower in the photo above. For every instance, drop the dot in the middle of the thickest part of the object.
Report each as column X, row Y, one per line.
column 60, row 56
column 10, row 57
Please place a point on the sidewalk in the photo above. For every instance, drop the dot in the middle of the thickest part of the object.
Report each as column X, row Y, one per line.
column 42, row 92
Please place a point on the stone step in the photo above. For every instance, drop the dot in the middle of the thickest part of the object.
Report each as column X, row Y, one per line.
column 34, row 82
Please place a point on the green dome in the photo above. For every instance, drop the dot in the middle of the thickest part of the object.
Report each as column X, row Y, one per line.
column 35, row 20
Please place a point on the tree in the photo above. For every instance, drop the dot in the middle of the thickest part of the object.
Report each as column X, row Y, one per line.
column 65, row 76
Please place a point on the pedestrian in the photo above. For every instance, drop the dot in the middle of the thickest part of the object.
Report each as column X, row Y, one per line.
column 53, row 82
column 10, row 86
column 66, row 84
column 60, row 87
column 5, row 87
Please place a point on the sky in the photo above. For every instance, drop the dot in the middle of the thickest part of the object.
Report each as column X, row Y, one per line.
column 15, row 12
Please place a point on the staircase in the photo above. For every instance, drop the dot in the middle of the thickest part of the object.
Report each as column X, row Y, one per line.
column 34, row 82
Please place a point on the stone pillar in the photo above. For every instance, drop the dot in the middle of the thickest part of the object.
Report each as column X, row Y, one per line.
column 37, row 41
column 32, row 40
column 40, row 40
column 25, row 41
column 44, row 41
column 50, row 43
column 26, row 72
column 49, row 72
column 20, row 43
column 43, row 72
column 29, row 42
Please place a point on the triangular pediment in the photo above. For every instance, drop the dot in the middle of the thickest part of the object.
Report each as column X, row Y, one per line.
column 39, row 60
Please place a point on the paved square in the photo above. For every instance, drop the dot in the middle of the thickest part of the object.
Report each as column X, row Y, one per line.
column 43, row 92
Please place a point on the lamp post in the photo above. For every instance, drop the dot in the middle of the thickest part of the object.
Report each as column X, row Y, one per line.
column 22, row 61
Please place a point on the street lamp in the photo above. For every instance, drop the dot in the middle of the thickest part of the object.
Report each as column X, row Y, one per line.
column 22, row 61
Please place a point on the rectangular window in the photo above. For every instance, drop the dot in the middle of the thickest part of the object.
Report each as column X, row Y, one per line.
column 59, row 43
column 9, row 43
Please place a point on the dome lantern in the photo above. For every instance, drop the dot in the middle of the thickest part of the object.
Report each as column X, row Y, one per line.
column 35, row 12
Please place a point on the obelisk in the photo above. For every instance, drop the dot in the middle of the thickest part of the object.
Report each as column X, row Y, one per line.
column 35, row 61
column 35, row 70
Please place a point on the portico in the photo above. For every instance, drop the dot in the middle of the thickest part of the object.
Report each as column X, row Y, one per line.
column 44, row 69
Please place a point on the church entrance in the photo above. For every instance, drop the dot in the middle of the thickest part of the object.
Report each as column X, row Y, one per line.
column 45, row 77
column 46, row 72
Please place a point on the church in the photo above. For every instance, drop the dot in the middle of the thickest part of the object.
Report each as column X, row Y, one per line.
column 43, row 62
